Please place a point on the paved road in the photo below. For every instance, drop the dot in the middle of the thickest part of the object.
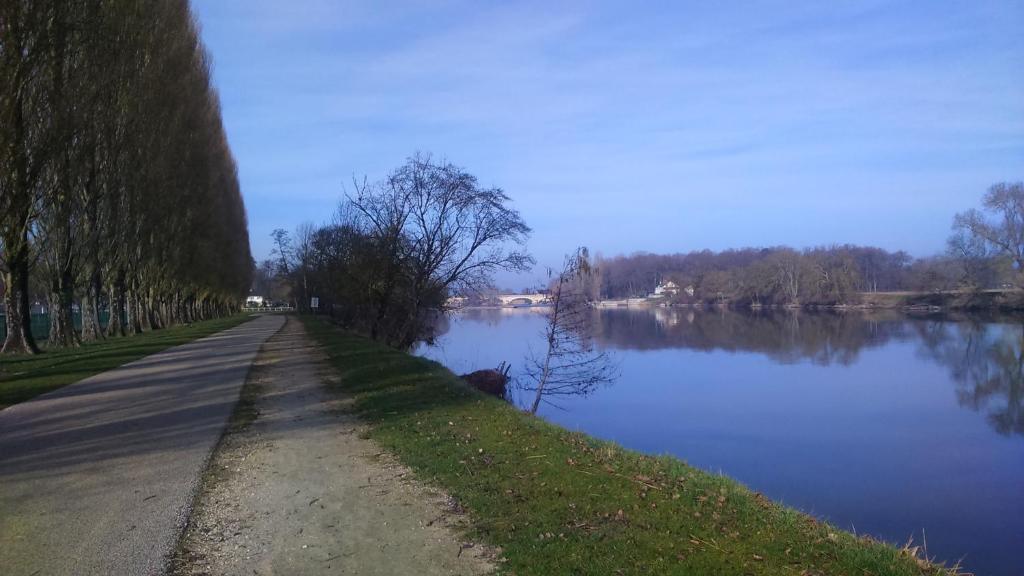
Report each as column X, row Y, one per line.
column 99, row 476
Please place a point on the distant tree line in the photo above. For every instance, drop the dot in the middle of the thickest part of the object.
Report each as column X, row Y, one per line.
column 400, row 247
column 118, row 189
column 761, row 276
column 986, row 250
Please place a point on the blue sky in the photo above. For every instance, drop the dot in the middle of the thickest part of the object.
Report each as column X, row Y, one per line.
column 627, row 127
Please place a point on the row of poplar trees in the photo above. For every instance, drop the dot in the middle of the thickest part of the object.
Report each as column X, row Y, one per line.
column 118, row 190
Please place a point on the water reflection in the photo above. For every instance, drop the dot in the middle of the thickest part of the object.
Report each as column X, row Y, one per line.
column 987, row 364
column 886, row 423
column 984, row 354
column 494, row 316
column 784, row 335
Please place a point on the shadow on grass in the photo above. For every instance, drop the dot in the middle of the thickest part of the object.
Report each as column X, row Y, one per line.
column 23, row 377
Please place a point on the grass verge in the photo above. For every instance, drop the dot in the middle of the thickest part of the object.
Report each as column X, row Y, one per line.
column 23, row 377
column 559, row 502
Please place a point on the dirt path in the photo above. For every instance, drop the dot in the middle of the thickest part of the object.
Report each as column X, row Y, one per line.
column 299, row 491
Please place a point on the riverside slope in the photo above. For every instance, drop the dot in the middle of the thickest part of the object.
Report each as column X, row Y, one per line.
column 99, row 476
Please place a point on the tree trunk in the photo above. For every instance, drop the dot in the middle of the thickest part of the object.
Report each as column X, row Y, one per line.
column 116, row 322
column 543, row 381
column 144, row 313
column 19, row 320
column 91, row 329
column 551, row 336
column 153, row 306
column 134, row 308
column 15, row 228
column 61, row 297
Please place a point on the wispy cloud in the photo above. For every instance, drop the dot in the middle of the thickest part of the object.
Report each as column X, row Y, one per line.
column 641, row 127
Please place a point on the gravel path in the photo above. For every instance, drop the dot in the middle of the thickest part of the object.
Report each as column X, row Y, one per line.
column 301, row 491
column 99, row 477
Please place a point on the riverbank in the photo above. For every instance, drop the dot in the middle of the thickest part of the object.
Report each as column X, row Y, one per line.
column 559, row 502
column 23, row 377
column 1002, row 300
column 998, row 300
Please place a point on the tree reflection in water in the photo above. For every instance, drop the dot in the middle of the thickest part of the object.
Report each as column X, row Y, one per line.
column 984, row 354
column 987, row 363
column 787, row 336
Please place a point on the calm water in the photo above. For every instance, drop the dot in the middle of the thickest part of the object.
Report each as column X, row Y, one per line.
column 885, row 424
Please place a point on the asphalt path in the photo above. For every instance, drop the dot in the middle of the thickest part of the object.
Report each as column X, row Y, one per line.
column 99, row 477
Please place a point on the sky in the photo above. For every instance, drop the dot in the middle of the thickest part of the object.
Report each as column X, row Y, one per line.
column 641, row 126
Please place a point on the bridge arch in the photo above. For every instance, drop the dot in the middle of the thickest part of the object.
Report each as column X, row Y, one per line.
column 522, row 299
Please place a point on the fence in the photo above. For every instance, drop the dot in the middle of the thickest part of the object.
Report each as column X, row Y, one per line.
column 41, row 324
column 255, row 309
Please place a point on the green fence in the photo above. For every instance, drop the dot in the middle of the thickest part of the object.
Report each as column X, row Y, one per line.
column 41, row 324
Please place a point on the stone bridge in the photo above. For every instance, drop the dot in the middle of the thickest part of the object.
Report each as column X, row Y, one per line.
column 522, row 299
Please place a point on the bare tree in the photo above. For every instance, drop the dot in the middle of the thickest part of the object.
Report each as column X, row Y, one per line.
column 282, row 251
column 996, row 229
column 436, row 230
column 569, row 365
column 832, row 274
column 972, row 254
column 790, row 273
column 302, row 250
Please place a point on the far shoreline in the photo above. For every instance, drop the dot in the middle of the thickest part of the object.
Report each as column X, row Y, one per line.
column 998, row 300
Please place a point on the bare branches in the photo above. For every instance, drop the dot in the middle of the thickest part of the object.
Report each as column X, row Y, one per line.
column 569, row 365
column 998, row 231
column 425, row 231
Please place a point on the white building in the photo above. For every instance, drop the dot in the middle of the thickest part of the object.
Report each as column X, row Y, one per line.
column 456, row 302
column 664, row 289
column 254, row 301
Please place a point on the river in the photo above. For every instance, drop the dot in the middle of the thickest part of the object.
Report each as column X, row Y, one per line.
column 882, row 423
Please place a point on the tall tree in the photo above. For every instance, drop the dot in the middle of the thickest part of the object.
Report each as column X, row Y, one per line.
column 26, row 148
column 115, row 173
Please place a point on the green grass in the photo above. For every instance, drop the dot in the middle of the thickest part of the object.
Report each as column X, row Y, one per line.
column 23, row 377
column 558, row 502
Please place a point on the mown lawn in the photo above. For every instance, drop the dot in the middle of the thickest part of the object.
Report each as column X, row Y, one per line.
column 23, row 377
column 558, row 502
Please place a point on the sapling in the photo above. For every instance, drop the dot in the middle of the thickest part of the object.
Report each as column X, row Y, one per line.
column 570, row 365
